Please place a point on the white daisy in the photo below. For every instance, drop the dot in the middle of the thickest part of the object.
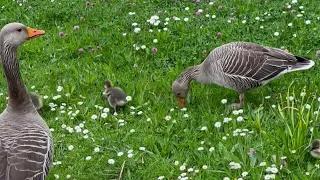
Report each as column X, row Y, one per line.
column 96, row 149
column 128, row 98
column 59, row 88
column 224, row 101
column 204, row 128
column 137, row 30
column 217, row 124
column 70, row 147
column 111, row 161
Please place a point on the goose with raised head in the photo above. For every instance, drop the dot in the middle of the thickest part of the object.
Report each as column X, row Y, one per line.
column 239, row 66
column 25, row 139
column 115, row 96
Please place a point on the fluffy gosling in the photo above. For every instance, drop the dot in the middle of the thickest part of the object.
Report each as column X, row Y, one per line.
column 115, row 96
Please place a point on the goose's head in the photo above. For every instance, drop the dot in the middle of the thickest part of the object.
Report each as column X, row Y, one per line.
column 180, row 90
column 14, row 34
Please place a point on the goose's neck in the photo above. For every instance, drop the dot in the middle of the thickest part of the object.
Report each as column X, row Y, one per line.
column 18, row 96
column 191, row 73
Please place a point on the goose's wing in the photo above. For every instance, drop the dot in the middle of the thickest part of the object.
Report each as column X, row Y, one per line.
column 119, row 94
column 30, row 155
column 258, row 63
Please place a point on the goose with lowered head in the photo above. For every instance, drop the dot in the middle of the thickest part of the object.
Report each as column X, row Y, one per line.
column 239, row 66
column 25, row 139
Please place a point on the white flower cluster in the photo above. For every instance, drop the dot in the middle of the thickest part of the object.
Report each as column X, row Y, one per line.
column 154, row 20
column 234, row 165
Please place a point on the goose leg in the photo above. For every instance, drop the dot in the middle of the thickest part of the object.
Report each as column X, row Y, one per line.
column 241, row 99
column 238, row 105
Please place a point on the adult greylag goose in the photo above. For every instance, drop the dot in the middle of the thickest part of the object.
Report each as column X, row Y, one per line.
column 315, row 148
column 115, row 96
column 239, row 66
column 25, row 139
column 36, row 100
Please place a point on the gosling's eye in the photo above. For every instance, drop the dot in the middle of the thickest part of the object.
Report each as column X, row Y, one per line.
column 178, row 94
column 20, row 29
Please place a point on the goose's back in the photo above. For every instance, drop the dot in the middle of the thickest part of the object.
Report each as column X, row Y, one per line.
column 25, row 146
column 242, row 66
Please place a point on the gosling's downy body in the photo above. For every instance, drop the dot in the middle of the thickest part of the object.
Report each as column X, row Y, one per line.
column 36, row 100
column 115, row 96
column 239, row 66
column 25, row 139
column 315, row 148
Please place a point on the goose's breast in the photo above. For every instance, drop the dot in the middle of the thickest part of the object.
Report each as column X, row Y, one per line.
column 25, row 150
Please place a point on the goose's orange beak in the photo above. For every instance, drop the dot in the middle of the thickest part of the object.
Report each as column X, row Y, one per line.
column 181, row 102
column 33, row 33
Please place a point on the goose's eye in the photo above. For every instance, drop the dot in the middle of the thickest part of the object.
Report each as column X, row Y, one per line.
column 178, row 94
column 20, row 29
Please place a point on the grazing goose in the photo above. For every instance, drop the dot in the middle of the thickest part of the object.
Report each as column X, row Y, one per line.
column 115, row 96
column 25, row 139
column 315, row 148
column 239, row 66
column 36, row 100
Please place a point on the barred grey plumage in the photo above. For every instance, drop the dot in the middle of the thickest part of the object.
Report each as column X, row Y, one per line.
column 25, row 139
column 240, row 66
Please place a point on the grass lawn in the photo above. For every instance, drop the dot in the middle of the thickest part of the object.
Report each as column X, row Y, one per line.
column 151, row 138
